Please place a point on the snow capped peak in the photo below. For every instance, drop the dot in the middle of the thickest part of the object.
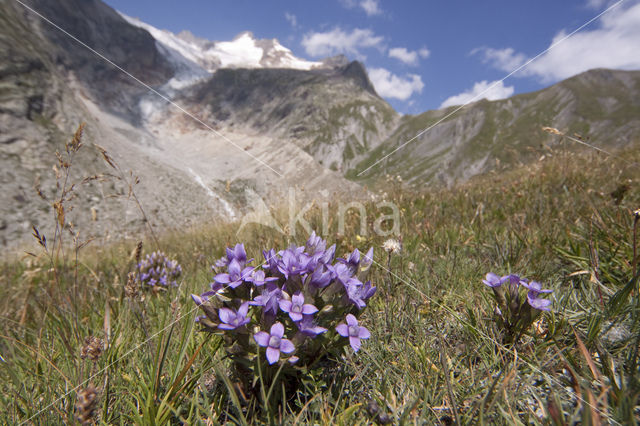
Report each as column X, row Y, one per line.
column 244, row 51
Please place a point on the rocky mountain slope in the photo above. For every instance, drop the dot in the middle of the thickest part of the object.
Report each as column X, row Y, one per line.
column 191, row 170
column 601, row 105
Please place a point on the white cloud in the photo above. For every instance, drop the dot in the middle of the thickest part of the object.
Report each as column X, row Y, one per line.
column 504, row 59
column 338, row 41
column 489, row 90
column 615, row 43
column 291, row 18
column 389, row 85
column 409, row 57
column 404, row 55
column 597, row 4
column 371, row 7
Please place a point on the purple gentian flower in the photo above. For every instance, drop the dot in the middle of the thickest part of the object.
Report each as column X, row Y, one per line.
column 353, row 261
column 232, row 320
column 353, row 331
column 274, row 342
column 308, row 327
column 271, row 260
column 327, row 257
column 492, row 280
column 358, row 293
column 296, row 307
column 321, row 277
column 259, row 278
column 513, row 279
column 235, row 275
column 268, row 300
column 293, row 262
column 341, row 272
column 315, row 243
column 535, row 288
column 238, row 253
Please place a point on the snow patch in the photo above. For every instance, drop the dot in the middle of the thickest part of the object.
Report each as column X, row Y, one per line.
column 197, row 55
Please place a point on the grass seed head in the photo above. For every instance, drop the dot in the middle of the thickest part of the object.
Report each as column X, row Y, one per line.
column 92, row 348
column 86, row 405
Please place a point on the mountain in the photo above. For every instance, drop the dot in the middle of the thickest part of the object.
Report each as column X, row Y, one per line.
column 600, row 105
column 191, row 169
column 215, row 128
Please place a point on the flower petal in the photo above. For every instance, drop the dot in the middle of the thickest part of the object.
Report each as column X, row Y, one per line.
column 226, row 315
column 342, row 330
column 243, row 309
column 295, row 316
column 285, row 305
column 197, row 299
column 287, row 346
column 273, row 355
column 222, row 278
column 277, row 329
column 363, row 333
column 351, row 320
column 261, row 338
column 540, row 304
column 309, row 309
column 355, row 343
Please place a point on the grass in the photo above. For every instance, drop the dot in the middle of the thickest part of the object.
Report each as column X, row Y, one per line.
column 434, row 357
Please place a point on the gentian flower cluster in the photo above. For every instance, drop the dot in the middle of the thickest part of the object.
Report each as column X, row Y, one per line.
column 300, row 305
column 156, row 269
column 514, row 313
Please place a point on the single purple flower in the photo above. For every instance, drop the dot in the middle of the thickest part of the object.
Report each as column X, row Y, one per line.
column 353, row 331
column 274, row 342
column 353, row 261
column 235, row 275
column 492, row 280
column 268, row 300
column 341, row 272
column 271, row 260
column 315, row 243
column 293, row 262
column 358, row 293
column 327, row 257
column 513, row 279
column 232, row 320
column 238, row 253
column 259, row 278
column 535, row 288
column 296, row 307
column 308, row 327
column 321, row 277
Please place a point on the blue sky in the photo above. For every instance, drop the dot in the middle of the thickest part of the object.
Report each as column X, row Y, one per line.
column 423, row 55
